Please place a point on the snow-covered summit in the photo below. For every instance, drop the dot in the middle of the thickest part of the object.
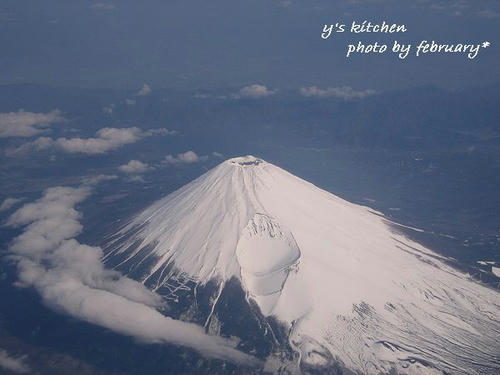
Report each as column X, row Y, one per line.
column 348, row 285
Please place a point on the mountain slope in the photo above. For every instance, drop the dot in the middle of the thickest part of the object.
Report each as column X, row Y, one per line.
column 346, row 285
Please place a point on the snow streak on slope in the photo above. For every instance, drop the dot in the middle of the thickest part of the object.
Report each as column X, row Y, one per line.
column 347, row 284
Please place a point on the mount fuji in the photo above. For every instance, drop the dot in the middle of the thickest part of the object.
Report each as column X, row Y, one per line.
column 308, row 282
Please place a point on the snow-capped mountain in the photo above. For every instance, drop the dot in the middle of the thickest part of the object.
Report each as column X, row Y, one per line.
column 332, row 285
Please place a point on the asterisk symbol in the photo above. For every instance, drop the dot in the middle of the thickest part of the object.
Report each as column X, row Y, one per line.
column 486, row 44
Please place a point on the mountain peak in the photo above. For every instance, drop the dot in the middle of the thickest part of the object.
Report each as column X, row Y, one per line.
column 245, row 161
column 337, row 274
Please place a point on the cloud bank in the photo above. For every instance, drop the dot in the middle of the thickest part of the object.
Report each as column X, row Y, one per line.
column 16, row 365
column 105, row 140
column 27, row 124
column 344, row 92
column 71, row 278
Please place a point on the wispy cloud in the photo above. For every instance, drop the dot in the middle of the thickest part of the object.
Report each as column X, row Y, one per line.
column 105, row 140
column 255, row 91
column 451, row 7
column 159, row 131
column 344, row 92
column 135, row 178
column 71, row 278
column 38, row 144
column 134, row 167
column 7, row 15
column 102, row 6
column 284, row 3
column 108, row 109
column 145, row 90
column 488, row 13
column 27, row 124
column 8, row 203
column 14, row 364
column 94, row 180
column 187, row 157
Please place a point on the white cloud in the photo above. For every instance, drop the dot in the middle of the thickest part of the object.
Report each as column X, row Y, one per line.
column 106, row 139
column 71, row 279
column 254, row 92
column 344, row 92
column 8, row 203
column 134, row 167
column 130, row 102
column 145, row 90
column 217, row 154
column 27, row 124
column 102, row 6
column 10, row 363
column 187, row 157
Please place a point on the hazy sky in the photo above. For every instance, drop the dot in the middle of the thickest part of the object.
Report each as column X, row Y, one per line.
column 195, row 44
